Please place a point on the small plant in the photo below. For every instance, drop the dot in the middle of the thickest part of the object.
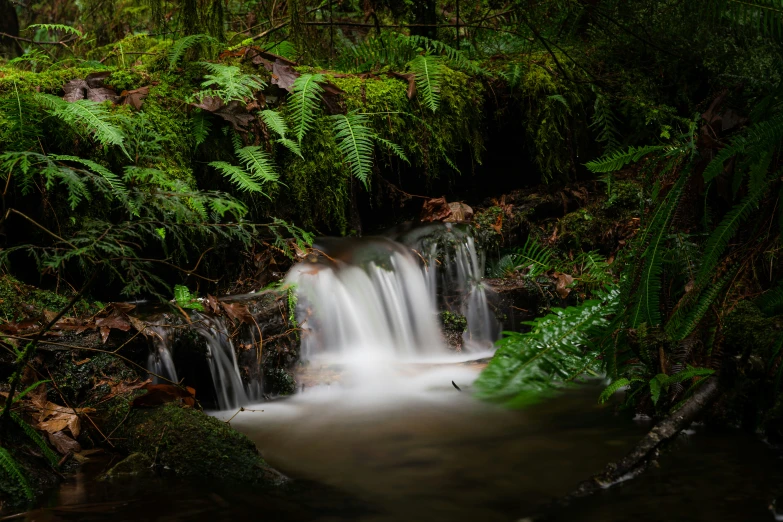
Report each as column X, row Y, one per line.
column 186, row 300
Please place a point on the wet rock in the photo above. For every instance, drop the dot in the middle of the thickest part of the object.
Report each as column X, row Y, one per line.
column 453, row 326
column 133, row 464
column 517, row 301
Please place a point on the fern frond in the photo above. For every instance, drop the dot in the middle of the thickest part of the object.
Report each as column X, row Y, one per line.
column 394, row 148
column 275, row 121
column 258, row 163
column 557, row 350
column 757, row 140
column 619, row 159
column 718, row 240
column 67, row 29
column 12, row 469
column 429, row 75
column 237, row 175
column 291, row 145
column 228, row 83
column 646, row 308
column 111, row 178
column 303, row 103
column 354, row 139
column 688, row 316
column 534, row 256
column 181, row 46
column 454, row 57
column 771, row 301
column 36, row 438
column 616, row 385
column 19, row 396
column 201, row 126
column 86, row 115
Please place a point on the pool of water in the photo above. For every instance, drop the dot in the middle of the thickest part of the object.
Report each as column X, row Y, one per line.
column 432, row 453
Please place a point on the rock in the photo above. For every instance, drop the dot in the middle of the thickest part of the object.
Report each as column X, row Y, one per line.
column 517, row 301
column 133, row 464
column 189, row 443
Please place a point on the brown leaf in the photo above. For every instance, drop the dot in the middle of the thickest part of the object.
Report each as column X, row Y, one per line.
column 139, row 325
column 213, row 305
column 83, row 361
column 283, row 75
column 64, row 443
column 233, row 112
column 410, row 78
column 459, row 212
column 135, row 98
column 158, row 394
column 238, row 312
column 104, row 334
column 563, row 282
column 123, row 307
column 435, row 209
column 118, row 322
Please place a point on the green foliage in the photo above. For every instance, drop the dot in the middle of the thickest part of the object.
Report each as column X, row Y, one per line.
column 12, row 469
column 558, row 349
column 36, row 438
column 615, row 386
column 181, row 46
column 533, row 256
column 617, row 160
column 303, row 103
column 429, row 76
column 66, row 29
column 275, row 121
column 228, row 83
column 755, row 142
column 185, row 299
column 354, row 139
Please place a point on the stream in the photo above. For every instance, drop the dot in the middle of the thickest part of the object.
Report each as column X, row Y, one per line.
column 386, row 427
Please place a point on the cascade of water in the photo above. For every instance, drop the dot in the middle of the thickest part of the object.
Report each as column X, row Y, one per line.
column 222, row 361
column 370, row 309
column 160, row 361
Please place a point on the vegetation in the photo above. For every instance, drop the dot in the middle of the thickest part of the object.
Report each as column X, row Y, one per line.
column 162, row 147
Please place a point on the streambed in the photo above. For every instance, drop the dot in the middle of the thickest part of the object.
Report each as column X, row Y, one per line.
column 440, row 455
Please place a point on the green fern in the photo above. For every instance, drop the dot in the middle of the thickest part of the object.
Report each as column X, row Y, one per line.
column 228, row 83
column 771, row 301
column 201, row 125
column 275, row 121
column 605, row 122
column 67, row 29
column 111, row 178
column 429, row 76
column 756, row 141
column 36, row 438
column 181, row 46
column 12, row 469
column 238, row 176
column 303, row 103
column 355, row 141
column 616, row 385
column 558, row 349
column 619, row 159
column 258, row 163
column 86, row 115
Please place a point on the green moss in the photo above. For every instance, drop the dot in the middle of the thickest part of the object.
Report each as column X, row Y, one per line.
column 77, row 375
column 51, row 80
column 189, row 443
column 279, row 381
column 746, row 328
column 453, row 322
column 488, row 238
column 18, row 300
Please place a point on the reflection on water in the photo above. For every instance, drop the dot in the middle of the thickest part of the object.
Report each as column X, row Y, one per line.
column 442, row 456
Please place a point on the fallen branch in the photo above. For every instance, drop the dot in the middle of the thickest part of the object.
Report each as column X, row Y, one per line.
column 647, row 449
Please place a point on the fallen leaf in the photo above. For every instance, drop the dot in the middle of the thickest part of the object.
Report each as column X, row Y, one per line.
column 459, row 212
column 239, row 312
column 158, row 394
column 83, row 361
column 118, row 322
column 104, row 334
column 233, row 112
column 64, row 443
column 135, row 98
column 563, row 282
column 283, row 75
column 435, row 209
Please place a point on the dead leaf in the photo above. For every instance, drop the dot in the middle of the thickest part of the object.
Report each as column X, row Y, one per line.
column 435, row 209
column 135, row 98
column 83, row 361
column 104, row 334
column 233, row 112
column 238, row 312
column 64, row 443
column 283, row 75
column 55, row 418
column 459, row 212
column 213, row 305
column 118, row 322
column 139, row 325
column 158, row 394
column 563, row 282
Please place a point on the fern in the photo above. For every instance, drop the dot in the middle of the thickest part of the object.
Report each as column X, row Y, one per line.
column 258, row 163
column 771, row 301
column 181, row 46
column 393, row 148
column 200, row 126
column 12, row 469
column 429, row 75
column 112, row 179
column 756, row 141
column 238, row 176
column 646, row 308
column 228, row 83
column 556, row 350
column 605, row 122
column 275, row 121
column 535, row 257
column 619, row 159
column 86, row 115
column 616, row 385
column 354, row 139
column 718, row 240
column 185, row 299
column 67, row 29
column 36, row 438
column 453, row 56
column 688, row 316
column 303, row 103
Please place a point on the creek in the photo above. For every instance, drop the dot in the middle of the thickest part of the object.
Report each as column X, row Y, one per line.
column 385, row 427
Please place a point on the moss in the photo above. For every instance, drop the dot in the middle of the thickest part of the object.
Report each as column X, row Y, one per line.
column 747, row 329
column 191, row 444
column 279, row 381
column 51, row 80
column 18, row 301
column 487, row 226
column 453, row 322
column 78, row 375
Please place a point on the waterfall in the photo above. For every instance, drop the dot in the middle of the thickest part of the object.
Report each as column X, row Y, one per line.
column 160, row 361
column 375, row 300
column 222, row 361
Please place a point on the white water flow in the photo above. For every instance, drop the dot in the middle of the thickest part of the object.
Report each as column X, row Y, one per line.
column 370, row 307
column 160, row 361
column 222, row 360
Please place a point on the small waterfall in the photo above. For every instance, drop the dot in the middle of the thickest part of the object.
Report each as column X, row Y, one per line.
column 373, row 307
column 222, row 361
column 160, row 361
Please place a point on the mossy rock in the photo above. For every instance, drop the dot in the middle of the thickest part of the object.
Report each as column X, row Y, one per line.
column 133, row 464
column 191, row 444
